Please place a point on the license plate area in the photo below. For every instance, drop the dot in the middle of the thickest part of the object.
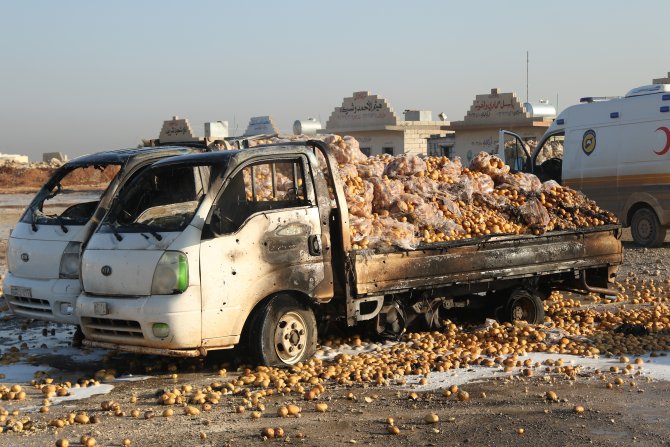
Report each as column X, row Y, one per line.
column 100, row 308
column 21, row 292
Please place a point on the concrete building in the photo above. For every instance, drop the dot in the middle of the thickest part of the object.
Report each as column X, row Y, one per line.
column 261, row 125
column 179, row 130
column 13, row 158
column 441, row 144
column 373, row 122
column 494, row 111
column 48, row 156
column 662, row 80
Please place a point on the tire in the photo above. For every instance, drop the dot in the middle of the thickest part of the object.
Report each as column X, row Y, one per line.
column 646, row 228
column 77, row 338
column 282, row 332
column 523, row 305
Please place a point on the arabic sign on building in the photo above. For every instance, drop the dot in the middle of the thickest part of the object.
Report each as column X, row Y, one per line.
column 176, row 130
column 261, row 125
column 362, row 110
column 496, row 107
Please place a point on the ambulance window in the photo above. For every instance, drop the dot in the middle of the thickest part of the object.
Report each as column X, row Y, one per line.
column 552, row 148
column 259, row 187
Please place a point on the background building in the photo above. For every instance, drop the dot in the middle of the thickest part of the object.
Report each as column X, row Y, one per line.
column 13, row 158
column 662, row 80
column 371, row 120
column 494, row 111
column 261, row 125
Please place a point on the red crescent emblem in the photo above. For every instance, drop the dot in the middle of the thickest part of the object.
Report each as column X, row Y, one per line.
column 667, row 141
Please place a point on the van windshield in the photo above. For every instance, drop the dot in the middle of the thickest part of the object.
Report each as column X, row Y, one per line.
column 158, row 199
column 70, row 196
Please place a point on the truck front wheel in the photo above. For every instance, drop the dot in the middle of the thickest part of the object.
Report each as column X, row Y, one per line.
column 282, row 332
column 646, row 228
column 523, row 305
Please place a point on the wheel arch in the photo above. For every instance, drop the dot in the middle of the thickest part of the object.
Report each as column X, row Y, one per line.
column 638, row 201
column 301, row 297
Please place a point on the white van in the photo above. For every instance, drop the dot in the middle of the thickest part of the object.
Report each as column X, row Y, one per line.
column 614, row 150
column 44, row 247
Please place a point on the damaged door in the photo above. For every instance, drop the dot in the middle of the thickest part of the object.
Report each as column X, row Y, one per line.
column 263, row 235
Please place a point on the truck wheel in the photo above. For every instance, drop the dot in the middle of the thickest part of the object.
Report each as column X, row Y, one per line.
column 524, row 305
column 282, row 332
column 646, row 229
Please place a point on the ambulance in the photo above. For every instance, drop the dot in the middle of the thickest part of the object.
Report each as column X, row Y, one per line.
column 614, row 150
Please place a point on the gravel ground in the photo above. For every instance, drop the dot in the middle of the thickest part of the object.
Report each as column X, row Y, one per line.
column 496, row 413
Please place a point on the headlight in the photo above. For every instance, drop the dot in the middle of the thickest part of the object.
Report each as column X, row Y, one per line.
column 66, row 308
column 171, row 275
column 69, row 261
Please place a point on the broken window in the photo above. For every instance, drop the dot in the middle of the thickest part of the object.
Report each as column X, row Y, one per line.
column 71, row 196
column 160, row 199
column 257, row 188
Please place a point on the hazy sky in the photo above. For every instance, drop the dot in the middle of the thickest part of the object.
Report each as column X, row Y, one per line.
column 83, row 76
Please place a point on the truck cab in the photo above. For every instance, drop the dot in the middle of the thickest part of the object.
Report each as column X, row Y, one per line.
column 196, row 246
column 614, row 150
column 44, row 247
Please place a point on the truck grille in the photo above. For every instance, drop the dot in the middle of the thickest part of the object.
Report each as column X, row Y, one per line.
column 22, row 305
column 113, row 327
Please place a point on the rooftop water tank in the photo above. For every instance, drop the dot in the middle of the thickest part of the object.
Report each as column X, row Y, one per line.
column 540, row 110
column 306, row 127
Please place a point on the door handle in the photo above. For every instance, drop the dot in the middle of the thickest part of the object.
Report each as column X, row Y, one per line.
column 314, row 244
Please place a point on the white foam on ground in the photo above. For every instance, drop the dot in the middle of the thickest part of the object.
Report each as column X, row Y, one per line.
column 131, row 378
column 83, row 393
column 656, row 368
column 75, row 394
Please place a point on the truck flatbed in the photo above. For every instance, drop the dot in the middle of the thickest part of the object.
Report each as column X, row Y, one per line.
column 486, row 259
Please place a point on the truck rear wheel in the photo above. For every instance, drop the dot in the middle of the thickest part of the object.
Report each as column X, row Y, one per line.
column 523, row 305
column 282, row 332
column 646, row 228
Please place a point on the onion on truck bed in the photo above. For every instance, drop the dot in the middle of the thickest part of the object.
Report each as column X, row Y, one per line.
column 411, row 200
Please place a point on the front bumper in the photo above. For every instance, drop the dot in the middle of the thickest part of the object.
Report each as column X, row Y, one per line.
column 50, row 299
column 200, row 352
column 128, row 321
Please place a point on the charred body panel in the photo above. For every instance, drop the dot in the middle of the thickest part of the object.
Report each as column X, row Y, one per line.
column 251, row 268
column 497, row 258
column 481, row 273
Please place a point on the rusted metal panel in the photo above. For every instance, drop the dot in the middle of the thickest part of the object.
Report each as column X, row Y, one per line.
column 503, row 257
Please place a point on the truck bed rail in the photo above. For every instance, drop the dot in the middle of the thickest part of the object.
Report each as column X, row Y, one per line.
column 485, row 259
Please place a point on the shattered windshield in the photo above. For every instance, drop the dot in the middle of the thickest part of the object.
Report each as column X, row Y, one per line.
column 71, row 196
column 159, row 199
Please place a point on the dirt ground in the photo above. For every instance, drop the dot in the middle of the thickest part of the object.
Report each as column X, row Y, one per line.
column 497, row 411
column 21, row 179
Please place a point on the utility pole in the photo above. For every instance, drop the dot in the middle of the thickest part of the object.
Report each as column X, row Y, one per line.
column 527, row 60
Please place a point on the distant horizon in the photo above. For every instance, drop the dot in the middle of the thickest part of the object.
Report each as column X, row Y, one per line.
column 82, row 77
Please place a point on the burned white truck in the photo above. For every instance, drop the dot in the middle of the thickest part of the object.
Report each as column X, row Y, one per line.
column 200, row 253
column 44, row 247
